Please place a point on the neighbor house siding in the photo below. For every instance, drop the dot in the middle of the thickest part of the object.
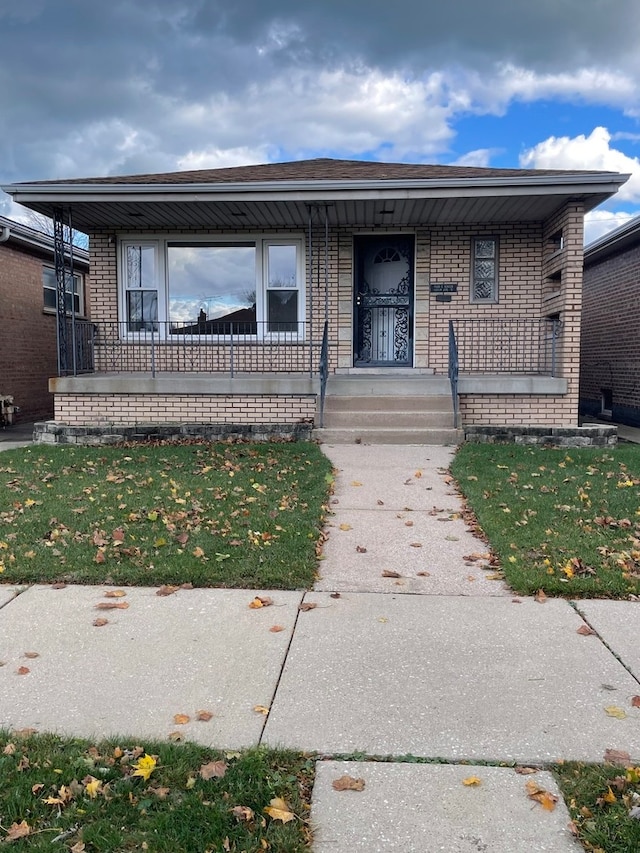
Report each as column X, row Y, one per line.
column 28, row 352
column 610, row 347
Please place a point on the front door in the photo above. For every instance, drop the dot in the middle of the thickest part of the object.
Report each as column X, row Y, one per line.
column 383, row 294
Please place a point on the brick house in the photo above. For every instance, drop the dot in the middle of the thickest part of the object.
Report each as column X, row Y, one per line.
column 28, row 351
column 610, row 347
column 394, row 299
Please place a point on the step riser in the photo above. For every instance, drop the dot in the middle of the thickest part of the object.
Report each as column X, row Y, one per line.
column 364, row 420
column 388, row 404
column 389, row 436
column 401, row 386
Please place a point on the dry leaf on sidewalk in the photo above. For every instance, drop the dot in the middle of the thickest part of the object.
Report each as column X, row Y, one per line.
column 348, row 783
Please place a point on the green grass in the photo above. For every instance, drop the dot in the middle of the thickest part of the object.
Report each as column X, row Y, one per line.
column 599, row 799
column 565, row 521
column 223, row 514
column 96, row 800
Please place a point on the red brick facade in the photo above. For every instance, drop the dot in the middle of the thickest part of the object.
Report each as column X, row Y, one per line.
column 28, row 352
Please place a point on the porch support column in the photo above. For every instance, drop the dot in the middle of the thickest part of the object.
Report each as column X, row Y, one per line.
column 63, row 261
column 310, row 282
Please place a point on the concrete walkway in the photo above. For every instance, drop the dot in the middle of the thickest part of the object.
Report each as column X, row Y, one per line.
column 462, row 671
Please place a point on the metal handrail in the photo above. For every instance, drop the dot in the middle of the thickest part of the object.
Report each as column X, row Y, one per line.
column 324, row 369
column 510, row 345
column 453, row 373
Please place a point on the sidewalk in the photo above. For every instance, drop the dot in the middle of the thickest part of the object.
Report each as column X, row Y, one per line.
column 439, row 663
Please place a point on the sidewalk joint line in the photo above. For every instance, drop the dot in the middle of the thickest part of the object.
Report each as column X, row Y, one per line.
column 576, row 607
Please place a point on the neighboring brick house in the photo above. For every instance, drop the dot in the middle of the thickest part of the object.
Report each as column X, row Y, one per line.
column 610, row 343
column 28, row 351
column 291, row 292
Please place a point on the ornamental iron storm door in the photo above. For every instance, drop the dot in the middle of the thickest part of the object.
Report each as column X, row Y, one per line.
column 383, row 295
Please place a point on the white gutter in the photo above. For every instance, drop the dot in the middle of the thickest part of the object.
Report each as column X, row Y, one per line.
column 73, row 191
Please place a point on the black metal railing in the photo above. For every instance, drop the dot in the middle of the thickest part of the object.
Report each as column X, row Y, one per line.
column 80, row 337
column 231, row 348
column 324, row 369
column 506, row 346
column 453, row 373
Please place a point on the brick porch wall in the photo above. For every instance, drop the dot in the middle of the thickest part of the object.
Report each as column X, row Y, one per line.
column 130, row 409
column 513, row 409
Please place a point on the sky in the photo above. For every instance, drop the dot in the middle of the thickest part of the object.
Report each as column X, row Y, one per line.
column 134, row 86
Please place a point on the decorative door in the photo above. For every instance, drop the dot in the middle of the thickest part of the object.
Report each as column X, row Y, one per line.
column 383, row 296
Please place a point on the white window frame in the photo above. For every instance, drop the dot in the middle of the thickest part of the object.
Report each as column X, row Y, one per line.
column 488, row 300
column 78, row 279
column 261, row 243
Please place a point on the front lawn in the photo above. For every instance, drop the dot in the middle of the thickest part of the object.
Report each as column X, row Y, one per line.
column 71, row 795
column 224, row 514
column 564, row 521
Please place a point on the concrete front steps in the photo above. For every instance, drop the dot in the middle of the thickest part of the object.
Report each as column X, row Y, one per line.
column 388, row 408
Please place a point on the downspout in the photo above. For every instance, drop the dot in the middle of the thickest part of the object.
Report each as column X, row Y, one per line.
column 5, row 233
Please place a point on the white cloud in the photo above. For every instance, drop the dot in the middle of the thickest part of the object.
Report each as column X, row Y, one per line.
column 586, row 152
column 219, row 158
column 597, row 223
column 480, row 157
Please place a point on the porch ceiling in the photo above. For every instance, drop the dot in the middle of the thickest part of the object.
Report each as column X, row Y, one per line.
column 361, row 204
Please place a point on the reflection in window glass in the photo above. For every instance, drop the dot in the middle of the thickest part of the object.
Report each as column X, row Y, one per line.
column 282, row 266
column 211, row 288
column 73, row 291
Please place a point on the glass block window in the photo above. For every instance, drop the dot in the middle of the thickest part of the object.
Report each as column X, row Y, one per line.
column 484, row 269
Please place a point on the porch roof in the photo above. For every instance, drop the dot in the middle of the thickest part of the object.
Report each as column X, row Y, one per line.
column 354, row 193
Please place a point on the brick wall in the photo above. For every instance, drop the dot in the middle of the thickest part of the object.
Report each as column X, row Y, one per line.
column 83, row 409
column 28, row 354
column 610, row 349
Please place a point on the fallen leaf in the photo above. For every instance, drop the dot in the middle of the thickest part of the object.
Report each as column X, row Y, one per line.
column 308, row 605
column 418, row 474
column 494, row 576
column 609, row 797
column 260, row 601
column 356, row 483
column 345, row 527
column 348, row 783
column 17, row 830
column 32, row 655
column 112, row 605
column 100, row 622
column 118, row 535
column 35, row 789
column 175, row 737
column 213, row 770
column 415, row 544
column 361, row 549
column 635, row 701
column 387, row 573
column 9, row 749
column 181, row 719
column 335, row 595
column 540, row 596
column 279, row 810
column 546, row 799
column 472, row 780
column 198, row 552
column 160, row 793
column 145, row 766
column 23, row 670
column 203, row 716
column 525, row 771
column 59, row 585
column 167, row 589
column 614, row 711
column 114, row 593
column 260, row 709
column 243, row 813
column 585, row 631
column 275, row 629
column 617, row 756
column 380, row 503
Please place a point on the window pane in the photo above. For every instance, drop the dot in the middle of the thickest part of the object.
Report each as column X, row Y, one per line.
column 485, row 248
column 141, row 267
column 212, row 287
column 50, row 298
column 484, row 269
column 142, row 310
column 282, row 308
column 282, row 267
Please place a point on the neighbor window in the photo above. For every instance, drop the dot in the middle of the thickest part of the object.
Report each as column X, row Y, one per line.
column 204, row 287
column 74, row 296
column 484, row 269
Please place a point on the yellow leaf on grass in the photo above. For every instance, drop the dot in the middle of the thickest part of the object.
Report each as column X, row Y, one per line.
column 614, row 711
column 17, row 830
column 609, row 797
column 92, row 787
column 145, row 766
column 279, row 810
column 472, row 780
